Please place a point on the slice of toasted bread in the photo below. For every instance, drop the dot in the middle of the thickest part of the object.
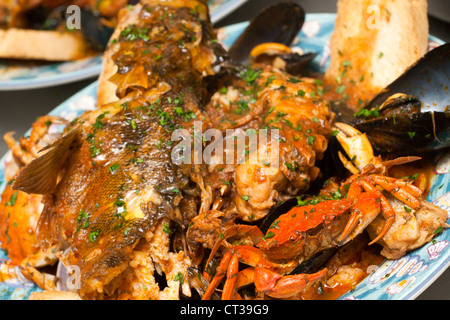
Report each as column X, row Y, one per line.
column 30, row 44
column 373, row 43
column 53, row 295
column 106, row 89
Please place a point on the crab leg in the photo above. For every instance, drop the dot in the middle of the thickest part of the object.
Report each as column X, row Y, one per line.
column 232, row 276
column 386, row 210
column 277, row 286
column 404, row 192
column 252, row 231
column 270, row 282
column 356, row 145
column 365, row 210
column 221, row 271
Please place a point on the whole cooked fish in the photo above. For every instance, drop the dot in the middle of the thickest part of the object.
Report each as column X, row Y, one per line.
column 110, row 178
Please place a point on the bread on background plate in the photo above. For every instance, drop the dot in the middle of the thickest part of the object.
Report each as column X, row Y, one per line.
column 47, row 45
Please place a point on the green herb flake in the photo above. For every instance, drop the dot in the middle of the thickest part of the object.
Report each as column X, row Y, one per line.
column 269, row 235
column 179, row 277
column 12, row 200
column 93, row 236
column 166, row 229
column 311, row 140
column 114, row 168
column 289, row 166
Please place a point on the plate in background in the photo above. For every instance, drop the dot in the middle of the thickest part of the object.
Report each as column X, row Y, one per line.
column 221, row 8
column 25, row 75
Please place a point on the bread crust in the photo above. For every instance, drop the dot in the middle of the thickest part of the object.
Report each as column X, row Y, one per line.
column 46, row 45
column 373, row 43
column 107, row 90
column 53, row 295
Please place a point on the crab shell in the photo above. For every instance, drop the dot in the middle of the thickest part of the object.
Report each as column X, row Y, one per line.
column 19, row 215
column 317, row 225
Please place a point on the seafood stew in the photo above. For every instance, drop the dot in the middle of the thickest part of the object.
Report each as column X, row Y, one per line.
column 117, row 205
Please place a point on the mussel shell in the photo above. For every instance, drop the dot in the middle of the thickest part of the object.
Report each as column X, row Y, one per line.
column 428, row 80
column 296, row 64
column 408, row 134
column 419, row 121
column 316, row 263
column 95, row 31
column 275, row 213
column 279, row 23
column 42, row 18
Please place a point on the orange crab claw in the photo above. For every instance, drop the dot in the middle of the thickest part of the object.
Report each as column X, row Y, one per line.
column 277, row 286
column 402, row 190
column 252, row 232
column 386, row 210
column 221, row 271
column 232, row 273
column 365, row 210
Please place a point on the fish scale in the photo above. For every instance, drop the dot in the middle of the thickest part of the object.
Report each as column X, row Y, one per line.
column 114, row 227
column 119, row 179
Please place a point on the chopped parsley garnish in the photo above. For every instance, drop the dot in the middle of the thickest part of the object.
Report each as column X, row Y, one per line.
column 269, row 235
column 114, row 168
column 12, row 200
column 289, row 166
column 179, row 277
column 166, row 229
column 93, row 236
column 311, row 140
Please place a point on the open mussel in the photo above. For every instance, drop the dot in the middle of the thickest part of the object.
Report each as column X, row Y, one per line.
column 96, row 29
column 412, row 114
column 98, row 21
column 269, row 36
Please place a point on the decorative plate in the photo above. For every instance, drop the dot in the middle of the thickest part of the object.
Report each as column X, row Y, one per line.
column 402, row 279
column 24, row 75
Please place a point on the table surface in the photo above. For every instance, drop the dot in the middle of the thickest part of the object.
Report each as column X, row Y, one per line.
column 19, row 109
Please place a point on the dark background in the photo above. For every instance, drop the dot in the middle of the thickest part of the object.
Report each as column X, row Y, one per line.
column 19, row 109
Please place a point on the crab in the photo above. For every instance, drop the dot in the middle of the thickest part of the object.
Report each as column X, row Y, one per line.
column 19, row 211
column 330, row 220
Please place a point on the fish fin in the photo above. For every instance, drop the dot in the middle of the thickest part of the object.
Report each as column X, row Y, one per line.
column 40, row 175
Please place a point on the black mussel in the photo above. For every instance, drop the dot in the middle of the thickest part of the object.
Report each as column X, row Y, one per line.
column 408, row 133
column 279, row 23
column 296, row 63
column 96, row 30
column 316, row 262
column 286, row 60
column 42, row 18
column 412, row 114
column 428, row 80
column 275, row 213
